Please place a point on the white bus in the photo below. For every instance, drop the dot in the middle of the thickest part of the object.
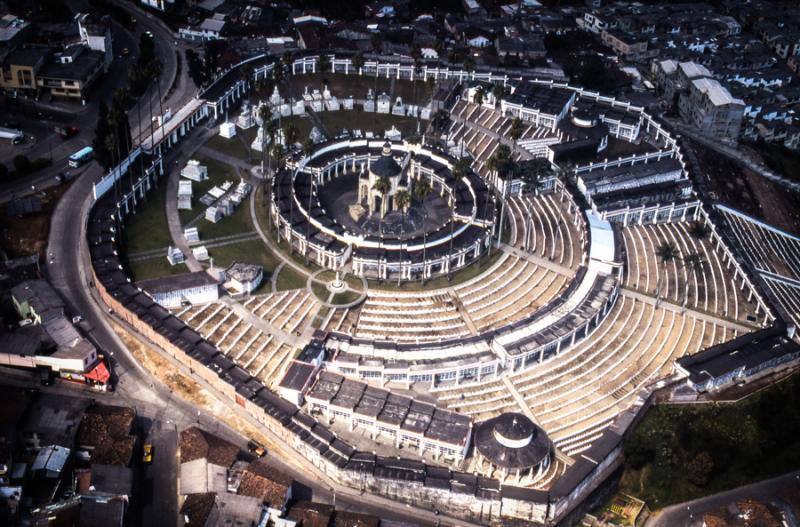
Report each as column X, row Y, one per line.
column 84, row 155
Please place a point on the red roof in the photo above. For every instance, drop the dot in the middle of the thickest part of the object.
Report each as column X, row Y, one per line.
column 99, row 373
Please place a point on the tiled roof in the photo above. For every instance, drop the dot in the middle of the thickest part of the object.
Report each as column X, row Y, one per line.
column 261, row 481
column 197, row 444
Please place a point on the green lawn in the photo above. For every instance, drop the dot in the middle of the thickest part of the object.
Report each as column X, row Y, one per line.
column 154, row 268
column 347, row 297
column 252, row 252
column 320, row 291
column 238, row 223
column 366, row 121
column 147, row 229
column 288, row 278
column 682, row 452
column 235, row 146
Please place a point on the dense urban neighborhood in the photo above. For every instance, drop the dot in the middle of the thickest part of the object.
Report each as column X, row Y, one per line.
column 394, row 263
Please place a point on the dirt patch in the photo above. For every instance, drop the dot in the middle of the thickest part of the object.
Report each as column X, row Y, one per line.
column 161, row 369
column 186, row 388
column 21, row 236
column 743, row 189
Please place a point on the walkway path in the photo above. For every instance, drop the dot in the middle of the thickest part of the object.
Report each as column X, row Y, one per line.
column 274, row 278
column 683, row 513
column 518, row 399
column 174, row 221
column 700, row 315
column 225, row 158
column 473, row 329
column 538, row 260
column 261, row 324
column 213, row 242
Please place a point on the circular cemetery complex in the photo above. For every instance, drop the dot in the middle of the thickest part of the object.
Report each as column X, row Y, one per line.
column 384, row 209
column 504, row 352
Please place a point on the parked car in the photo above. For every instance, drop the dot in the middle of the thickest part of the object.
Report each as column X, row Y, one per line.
column 147, row 457
column 256, row 448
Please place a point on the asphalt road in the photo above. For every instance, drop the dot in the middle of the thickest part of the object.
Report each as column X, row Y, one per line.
column 690, row 512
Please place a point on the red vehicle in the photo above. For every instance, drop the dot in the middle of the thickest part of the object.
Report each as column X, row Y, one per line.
column 66, row 131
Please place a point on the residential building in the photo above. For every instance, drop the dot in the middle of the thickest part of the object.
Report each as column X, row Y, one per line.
column 710, row 107
column 210, row 29
column 95, row 32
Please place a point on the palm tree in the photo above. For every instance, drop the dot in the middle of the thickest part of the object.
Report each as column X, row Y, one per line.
column 265, row 114
column 247, row 73
column 423, row 189
column 383, row 186
column 531, row 174
column 323, row 62
column 402, row 199
column 459, row 171
column 358, row 62
column 308, row 147
column 469, row 63
column 263, row 87
column 287, row 59
column 278, row 73
column 666, row 253
column 290, row 134
column 417, row 70
column 695, row 262
column 478, row 98
column 503, row 167
column 498, row 91
column 699, row 231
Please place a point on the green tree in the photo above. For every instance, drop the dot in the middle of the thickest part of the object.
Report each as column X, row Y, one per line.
column 666, row 253
column 402, row 199
column 22, row 164
column 100, row 132
column 358, row 62
column 291, row 134
column 423, row 189
column 479, row 94
column 265, row 114
column 459, row 171
column 323, row 63
column 699, row 231
column 383, row 186
column 700, row 468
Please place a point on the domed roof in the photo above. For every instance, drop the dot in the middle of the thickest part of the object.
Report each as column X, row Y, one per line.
column 385, row 166
column 512, row 441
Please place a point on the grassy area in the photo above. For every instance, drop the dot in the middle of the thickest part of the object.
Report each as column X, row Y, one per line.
column 682, row 452
column 374, row 122
column 154, row 268
column 235, row 146
column 288, row 278
column 320, row 291
column 147, row 229
column 456, row 278
column 237, row 223
column 346, row 297
column 251, row 251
